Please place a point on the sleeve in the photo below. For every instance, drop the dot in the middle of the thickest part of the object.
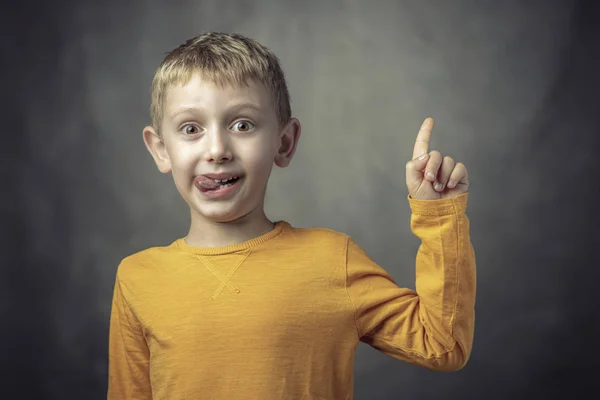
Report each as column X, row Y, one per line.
column 433, row 326
column 128, row 360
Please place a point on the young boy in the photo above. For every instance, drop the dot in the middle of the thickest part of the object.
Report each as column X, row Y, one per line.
column 246, row 308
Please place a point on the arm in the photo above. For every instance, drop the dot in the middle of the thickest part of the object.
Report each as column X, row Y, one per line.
column 129, row 357
column 432, row 326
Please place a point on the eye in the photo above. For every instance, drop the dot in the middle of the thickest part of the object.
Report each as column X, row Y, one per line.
column 191, row 129
column 243, row 126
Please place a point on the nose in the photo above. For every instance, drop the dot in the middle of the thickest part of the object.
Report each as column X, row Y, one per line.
column 218, row 148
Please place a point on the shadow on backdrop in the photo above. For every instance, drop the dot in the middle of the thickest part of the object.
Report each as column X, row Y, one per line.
column 72, row 206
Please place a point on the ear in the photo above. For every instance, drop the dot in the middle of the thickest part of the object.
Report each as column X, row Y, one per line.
column 156, row 146
column 289, row 136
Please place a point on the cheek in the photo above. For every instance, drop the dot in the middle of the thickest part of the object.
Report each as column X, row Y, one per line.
column 183, row 162
column 260, row 160
column 182, row 158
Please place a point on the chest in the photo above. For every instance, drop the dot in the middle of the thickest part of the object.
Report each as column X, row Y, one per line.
column 216, row 306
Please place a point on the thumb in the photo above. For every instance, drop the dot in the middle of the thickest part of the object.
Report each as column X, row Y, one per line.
column 414, row 170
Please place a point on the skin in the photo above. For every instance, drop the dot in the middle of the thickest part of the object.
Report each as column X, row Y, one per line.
column 429, row 176
column 209, row 128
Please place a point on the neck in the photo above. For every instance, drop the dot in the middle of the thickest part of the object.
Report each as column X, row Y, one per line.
column 206, row 233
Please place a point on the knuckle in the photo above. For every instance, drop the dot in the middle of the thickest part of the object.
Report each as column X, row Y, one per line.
column 409, row 164
column 436, row 154
column 448, row 160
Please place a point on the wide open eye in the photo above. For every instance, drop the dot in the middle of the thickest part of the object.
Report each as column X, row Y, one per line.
column 243, row 126
column 191, row 129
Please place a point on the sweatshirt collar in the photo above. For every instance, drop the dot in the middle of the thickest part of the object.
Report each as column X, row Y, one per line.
column 181, row 244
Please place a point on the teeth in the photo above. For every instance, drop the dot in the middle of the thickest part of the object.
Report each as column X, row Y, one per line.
column 225, row 180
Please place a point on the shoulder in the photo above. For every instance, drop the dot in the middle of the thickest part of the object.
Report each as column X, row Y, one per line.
column 318, row 233
column 144, row 262
column 319, row 237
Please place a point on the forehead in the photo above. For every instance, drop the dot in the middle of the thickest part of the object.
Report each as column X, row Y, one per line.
column 202, row 94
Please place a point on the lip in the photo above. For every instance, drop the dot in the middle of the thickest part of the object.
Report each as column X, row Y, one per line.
column 220, row 193
column 221, row 176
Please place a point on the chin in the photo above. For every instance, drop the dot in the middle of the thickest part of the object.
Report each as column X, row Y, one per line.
column 238, row 208
column 221, row 214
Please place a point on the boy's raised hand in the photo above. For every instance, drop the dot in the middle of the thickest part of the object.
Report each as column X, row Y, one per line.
column 429, row 176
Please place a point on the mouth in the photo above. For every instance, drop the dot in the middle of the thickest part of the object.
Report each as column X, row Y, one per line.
column 217, row 185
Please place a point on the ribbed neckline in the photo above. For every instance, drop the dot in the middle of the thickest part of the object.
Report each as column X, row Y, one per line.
column 181, row 244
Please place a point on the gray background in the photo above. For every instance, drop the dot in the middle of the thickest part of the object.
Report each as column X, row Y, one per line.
column 512, row 84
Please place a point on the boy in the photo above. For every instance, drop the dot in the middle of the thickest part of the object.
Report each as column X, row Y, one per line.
column 246, row 308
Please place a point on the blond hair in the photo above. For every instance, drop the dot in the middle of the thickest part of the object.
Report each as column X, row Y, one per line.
column 223, row 59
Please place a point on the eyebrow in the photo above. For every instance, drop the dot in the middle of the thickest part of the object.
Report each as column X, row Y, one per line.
column 236, row 107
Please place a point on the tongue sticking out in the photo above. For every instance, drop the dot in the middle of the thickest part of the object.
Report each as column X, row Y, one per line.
column 207, row 184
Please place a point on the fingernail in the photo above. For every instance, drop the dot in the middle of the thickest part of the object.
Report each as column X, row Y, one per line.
column 438, row 186
column 422, row 156
column 430, row 175
column 451, row 184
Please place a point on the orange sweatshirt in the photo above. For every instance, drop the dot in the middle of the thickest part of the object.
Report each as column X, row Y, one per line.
column 280, row 316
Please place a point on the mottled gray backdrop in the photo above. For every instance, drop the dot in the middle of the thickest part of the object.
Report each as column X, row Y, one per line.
column 513, row 86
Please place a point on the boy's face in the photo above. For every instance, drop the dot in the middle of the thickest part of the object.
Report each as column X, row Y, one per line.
column 211, row 134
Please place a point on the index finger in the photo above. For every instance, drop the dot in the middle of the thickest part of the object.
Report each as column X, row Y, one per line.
column 423, row 137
